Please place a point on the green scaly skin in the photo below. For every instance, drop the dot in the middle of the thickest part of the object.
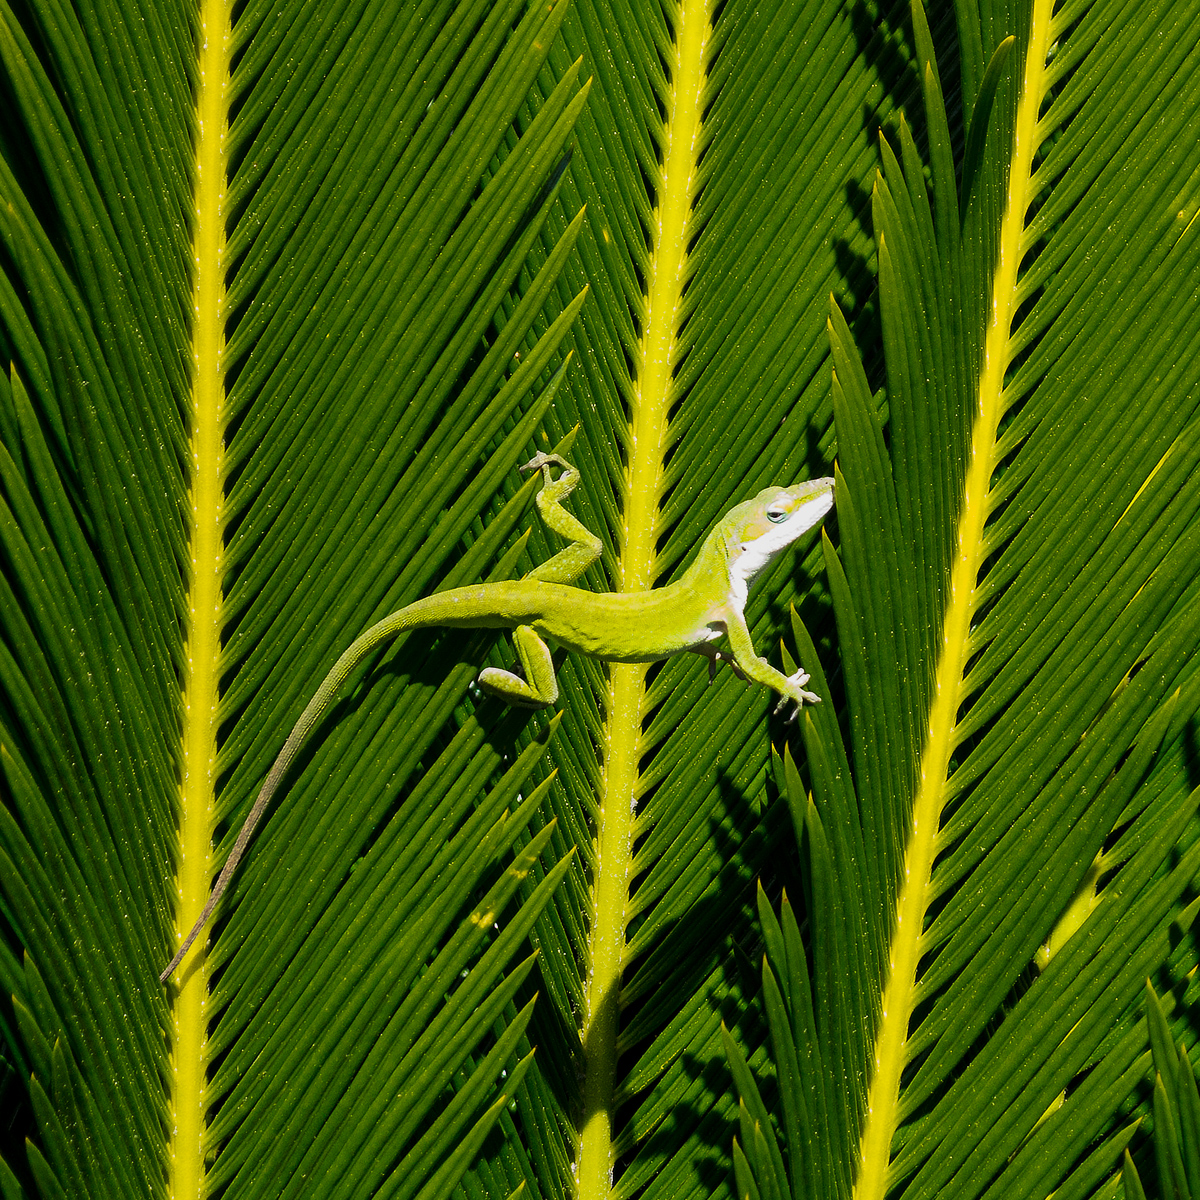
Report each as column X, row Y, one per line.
column 705, row 603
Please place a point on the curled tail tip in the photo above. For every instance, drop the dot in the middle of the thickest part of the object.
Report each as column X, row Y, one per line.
column 187, row 945
column 170, row 968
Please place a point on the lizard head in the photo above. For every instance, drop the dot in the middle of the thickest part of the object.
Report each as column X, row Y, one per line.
column 757, row 532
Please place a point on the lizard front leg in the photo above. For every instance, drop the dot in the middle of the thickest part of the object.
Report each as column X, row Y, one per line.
column 790, row 687
column 569, row 563
column 539, row 686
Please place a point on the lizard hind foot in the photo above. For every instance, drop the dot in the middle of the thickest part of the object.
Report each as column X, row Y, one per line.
column 511, row 687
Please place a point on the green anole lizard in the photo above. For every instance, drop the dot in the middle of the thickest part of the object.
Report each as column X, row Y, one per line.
column 705, row 602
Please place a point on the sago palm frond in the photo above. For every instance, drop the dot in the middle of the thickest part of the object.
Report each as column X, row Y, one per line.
column 1176, row 1115
column 998, row 852
column 289, row 291
column 260, row 393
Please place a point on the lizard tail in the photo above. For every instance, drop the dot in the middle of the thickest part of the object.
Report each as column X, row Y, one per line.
column 414, row 616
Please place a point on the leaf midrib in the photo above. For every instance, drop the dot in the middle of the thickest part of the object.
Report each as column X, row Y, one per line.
column 883, row 1104
column 205, row 601
column 637, row 569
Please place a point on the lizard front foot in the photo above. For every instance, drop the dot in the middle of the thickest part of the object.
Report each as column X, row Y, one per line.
column 799, row 698
column 542, row 459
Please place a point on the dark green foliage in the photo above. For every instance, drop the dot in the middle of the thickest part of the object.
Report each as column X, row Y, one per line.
column 1073, row 762
column 1176, row 1115
column 419, row 195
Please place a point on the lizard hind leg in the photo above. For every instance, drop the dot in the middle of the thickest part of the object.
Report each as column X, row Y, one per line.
column 540, row 685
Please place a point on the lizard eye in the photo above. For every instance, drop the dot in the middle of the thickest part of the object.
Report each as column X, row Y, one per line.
column 776, row 515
